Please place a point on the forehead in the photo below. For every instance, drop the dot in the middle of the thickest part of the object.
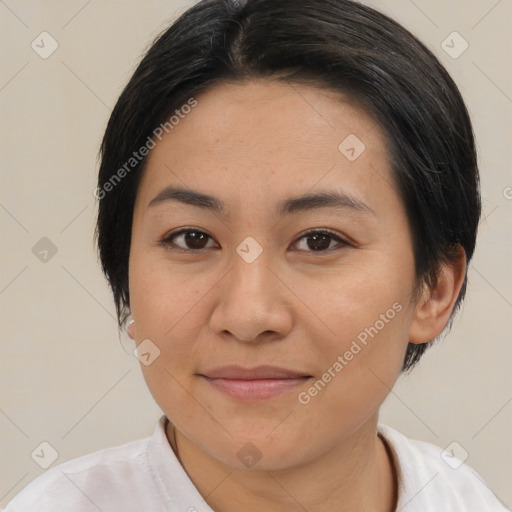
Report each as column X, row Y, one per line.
column 266, row 139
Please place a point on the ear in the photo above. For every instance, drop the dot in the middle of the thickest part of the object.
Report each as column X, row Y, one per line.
column 436, row 304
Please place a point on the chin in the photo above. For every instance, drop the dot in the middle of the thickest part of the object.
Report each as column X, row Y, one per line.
column 260, row 452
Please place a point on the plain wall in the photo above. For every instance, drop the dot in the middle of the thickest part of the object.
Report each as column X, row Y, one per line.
column 67, row 379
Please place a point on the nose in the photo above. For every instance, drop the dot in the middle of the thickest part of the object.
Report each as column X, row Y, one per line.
column 252, row 304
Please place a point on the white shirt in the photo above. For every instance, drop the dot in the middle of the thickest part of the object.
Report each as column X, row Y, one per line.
column 146, row 476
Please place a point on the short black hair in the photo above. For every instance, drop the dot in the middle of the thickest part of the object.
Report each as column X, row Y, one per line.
column 341, row 45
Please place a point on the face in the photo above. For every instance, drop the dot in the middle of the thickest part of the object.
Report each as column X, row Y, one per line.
column 271, row 266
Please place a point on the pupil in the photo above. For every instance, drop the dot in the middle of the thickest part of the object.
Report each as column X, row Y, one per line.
column 320, row 242
column 195, row 240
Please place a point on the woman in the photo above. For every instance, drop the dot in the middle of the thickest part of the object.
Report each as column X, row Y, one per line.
column 288, row 203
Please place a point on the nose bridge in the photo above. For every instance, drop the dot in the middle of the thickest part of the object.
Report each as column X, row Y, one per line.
column 250, row 276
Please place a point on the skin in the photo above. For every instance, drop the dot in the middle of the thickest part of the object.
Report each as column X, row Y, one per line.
column 252, row 145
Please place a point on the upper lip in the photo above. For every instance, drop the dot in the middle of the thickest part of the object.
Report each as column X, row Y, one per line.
column 260, row 372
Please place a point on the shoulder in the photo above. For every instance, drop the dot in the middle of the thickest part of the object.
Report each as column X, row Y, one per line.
column 433, row 479
column 82, row 484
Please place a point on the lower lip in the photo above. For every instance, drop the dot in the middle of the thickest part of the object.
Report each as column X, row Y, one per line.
column 255, row 389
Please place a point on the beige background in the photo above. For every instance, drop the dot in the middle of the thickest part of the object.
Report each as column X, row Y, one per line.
column 65, row 378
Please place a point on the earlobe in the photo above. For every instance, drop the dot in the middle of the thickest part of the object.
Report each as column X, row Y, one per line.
column 434, row 308
column 130, row 329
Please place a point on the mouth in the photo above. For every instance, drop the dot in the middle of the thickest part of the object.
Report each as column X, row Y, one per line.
column 254, row 383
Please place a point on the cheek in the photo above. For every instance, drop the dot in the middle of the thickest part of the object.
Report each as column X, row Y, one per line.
column 358, row 369
column 164, row 297
column 172, row 305
column 364, row 311
column 354, row 297
column 167, row 306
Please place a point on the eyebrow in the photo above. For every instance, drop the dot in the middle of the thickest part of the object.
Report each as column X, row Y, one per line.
column 306, row 202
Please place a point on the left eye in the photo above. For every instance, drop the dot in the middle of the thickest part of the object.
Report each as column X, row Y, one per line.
column 320, row 241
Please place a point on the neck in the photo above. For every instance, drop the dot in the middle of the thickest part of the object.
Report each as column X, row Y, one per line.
column 355, row 475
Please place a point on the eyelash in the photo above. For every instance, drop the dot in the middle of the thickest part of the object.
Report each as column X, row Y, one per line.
column 167, row 241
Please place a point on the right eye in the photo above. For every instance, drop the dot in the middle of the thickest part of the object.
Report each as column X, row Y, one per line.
column 189, row 240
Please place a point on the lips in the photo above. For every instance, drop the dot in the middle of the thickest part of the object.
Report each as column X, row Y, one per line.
column 252, row 384
column 260, row 372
